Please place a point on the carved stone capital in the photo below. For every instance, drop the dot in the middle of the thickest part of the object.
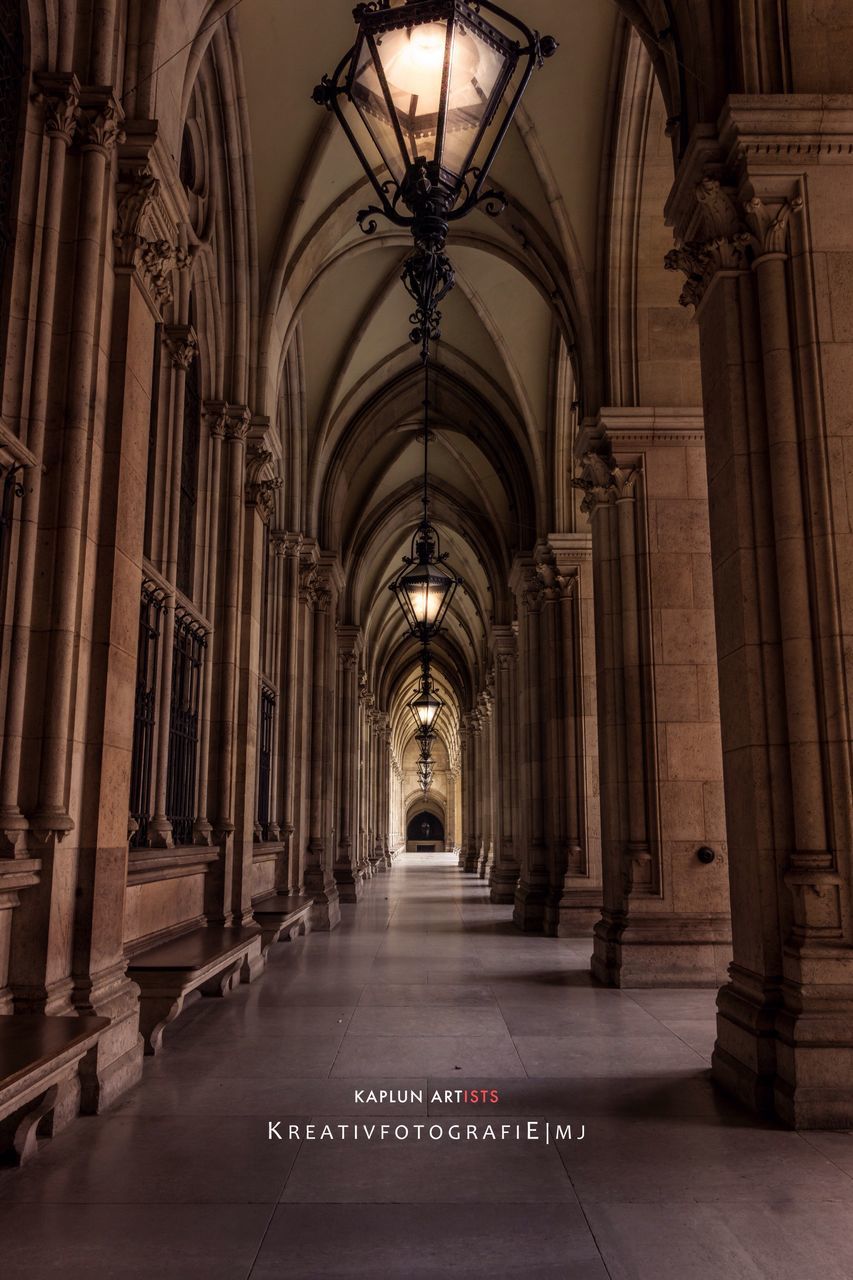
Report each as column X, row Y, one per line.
column 602, row 481
column 307, row 577
column 60, row 96
column 99, row 121
column 137, row 190
column 216, row 416
column 238, row 418
column 286, row 544
column 737, row 235
column 769, row 226
column 261, row 482
column 181, row 342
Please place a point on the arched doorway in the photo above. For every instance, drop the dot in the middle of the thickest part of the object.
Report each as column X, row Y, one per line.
column 425, row 828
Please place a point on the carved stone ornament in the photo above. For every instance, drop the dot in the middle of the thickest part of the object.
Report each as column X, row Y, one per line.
column 60, row 96
column 602, row 481
column 737, row 237
column 286, row 544
column 99, row 125
column 181, row 342
column 555, row 585
column 155, row 257
column 307, row 576
column 237, row 420
column 261, row 482
column 216, row 416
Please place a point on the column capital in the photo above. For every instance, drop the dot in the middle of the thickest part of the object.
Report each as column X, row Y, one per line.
column 181, row 342
column 738, row 187
column 599, row 477
column 262, row 481
column 100, row 119
column 350, row 642
column 286, row 544
column 59, row 93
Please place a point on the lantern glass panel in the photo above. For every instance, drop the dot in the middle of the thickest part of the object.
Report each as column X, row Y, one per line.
column 426, row 588
column 367, row 95
column 476, row 81
column 398, row 86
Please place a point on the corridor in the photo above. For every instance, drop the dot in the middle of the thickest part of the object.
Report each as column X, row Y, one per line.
column 427, row 987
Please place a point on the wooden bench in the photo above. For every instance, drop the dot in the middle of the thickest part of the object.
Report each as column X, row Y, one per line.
column 210, row 960
column 39, row 1084
column 282, row 916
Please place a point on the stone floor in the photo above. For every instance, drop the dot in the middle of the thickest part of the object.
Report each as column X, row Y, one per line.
column 426, row 986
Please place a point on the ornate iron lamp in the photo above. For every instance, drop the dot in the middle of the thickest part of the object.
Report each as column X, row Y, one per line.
column 426, row 584
column 426, row 706
column 427, row 93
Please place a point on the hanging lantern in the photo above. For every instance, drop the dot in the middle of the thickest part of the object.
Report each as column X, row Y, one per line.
column 434, row 85
column 426, row 706
column 425, row 739
column 425, row 585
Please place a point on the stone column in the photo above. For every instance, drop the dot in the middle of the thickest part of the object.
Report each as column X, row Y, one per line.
column 487, row 783
column 532, row 888
column 504, row 872
column 385, row 788
column 761, row 212
column 574, row 876
column 60, row 96
column 288, row 714
column 347, row 875
column 260, row 485
column 471, row 789
column 220, row 882
column 665, row 919
column 365, row 865
column 319, row 873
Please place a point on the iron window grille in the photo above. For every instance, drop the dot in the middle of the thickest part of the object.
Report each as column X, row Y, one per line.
column 151, row 606
column 190, row 642
column 265, row 758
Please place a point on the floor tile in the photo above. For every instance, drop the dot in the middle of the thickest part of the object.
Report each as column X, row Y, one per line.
column 424, row 1242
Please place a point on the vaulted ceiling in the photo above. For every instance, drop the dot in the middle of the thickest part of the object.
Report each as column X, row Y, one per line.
column 334, row 326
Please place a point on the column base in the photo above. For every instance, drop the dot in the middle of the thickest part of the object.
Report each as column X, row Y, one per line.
column 326, row 908
column 793, row 1064
column 645, row 950
column 529, row 910
column 349, row 884
column 115, row 1064
column 470, row 860
column 573, row 913
column 503, row 883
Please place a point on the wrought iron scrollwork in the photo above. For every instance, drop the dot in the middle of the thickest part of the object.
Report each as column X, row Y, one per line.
column 428, row 277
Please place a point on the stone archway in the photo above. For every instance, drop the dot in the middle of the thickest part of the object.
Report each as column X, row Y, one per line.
column 425, row 826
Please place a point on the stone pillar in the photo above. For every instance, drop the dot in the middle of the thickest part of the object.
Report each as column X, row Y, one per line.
column 574, row 865
column 665, row 920
column 319, row 873
column 471, row 789
column 487, row 783
column 288, row 719
column 504, row 872
column 60, row 96
column 532, row 888
column 761, row 213
column 365, row 865
column 260, row 485
column 347, row 875
column 302, row 703
column 385, row 788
